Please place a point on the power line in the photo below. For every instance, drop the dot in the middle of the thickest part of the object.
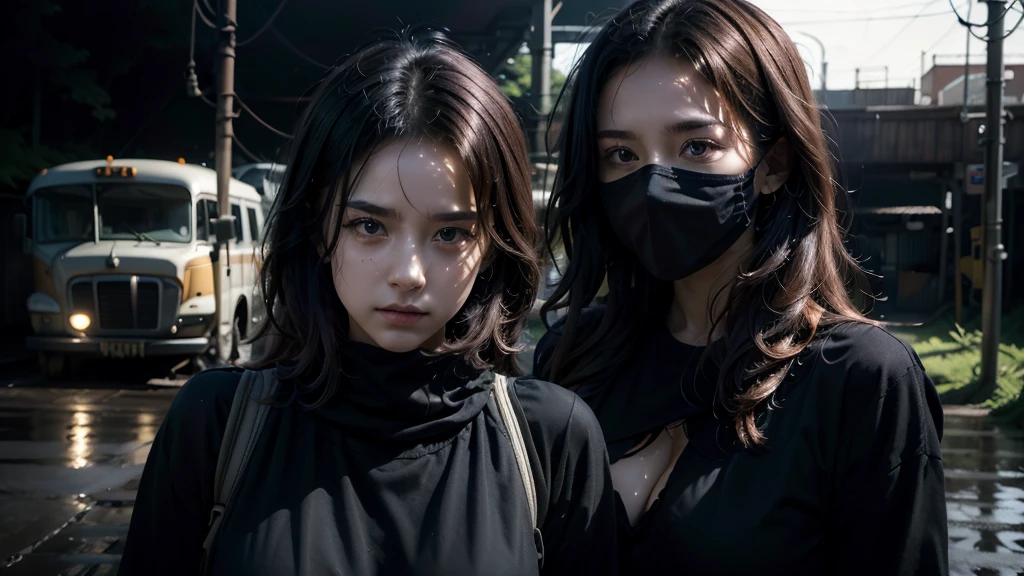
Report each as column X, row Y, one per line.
column 299, row 53
column 210, row 8
column 902, row 30
column 207, row 21
column 266, row 25
column 260, row 120
column 1015, row 26
column 868, row 19
column 246, row 151
column 855, row 11
column 968, row 22
column 943, row 37
column 970, row 25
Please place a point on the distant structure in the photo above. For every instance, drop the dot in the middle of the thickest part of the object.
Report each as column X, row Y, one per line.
column 865, row 97
column 942, row 85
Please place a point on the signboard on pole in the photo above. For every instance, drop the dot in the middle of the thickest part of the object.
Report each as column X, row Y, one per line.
column 975, row 181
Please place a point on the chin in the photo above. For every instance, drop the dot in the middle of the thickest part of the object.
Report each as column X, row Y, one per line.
column 398, row 347
column 399, row 343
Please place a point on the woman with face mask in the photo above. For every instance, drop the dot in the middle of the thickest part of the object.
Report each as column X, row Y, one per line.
column 398, row 272
column 757, row 422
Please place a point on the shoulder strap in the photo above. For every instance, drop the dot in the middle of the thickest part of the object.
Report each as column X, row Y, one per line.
column 245, row 422
column 508, row 418
column 503, row 397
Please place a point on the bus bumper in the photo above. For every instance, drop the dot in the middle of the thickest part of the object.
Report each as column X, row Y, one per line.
column 138, row 347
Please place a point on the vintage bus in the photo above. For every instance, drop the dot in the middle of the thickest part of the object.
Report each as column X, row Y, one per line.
column 121, row 259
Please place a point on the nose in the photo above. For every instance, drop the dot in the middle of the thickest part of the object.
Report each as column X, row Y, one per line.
column 407, row 274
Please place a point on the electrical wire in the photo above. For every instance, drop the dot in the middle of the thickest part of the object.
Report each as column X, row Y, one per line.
column 210, row 8
column 266, row 25
column 280, row 37
column 902, row 30
column 867, row 19
column 954, row 26
column 246, row 151
column 1015, row 26
column 971, row 26
column 968, row 22
column 854, row 11
column 260, row 120
column 207, row 21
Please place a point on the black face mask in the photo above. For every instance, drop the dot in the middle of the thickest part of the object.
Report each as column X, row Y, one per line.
column 678, row 221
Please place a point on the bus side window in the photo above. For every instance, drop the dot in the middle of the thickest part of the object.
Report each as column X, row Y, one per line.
column 254, row 226
column 206, row 221
column 236, row 211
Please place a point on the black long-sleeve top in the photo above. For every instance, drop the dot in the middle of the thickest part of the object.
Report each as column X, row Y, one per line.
column 406, row 470
column 849, row 482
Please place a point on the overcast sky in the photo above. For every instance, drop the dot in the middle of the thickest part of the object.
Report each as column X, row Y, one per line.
column 872, row 34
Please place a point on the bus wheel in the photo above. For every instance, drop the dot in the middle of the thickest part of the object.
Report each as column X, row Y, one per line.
column 52, row 364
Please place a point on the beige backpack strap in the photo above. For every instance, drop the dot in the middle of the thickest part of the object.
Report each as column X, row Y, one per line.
column 508, row 418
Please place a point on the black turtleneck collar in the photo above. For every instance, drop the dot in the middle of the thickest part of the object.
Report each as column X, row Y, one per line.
column 405, row 397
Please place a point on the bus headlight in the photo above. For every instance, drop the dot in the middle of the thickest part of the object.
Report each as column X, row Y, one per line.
column 80, row 322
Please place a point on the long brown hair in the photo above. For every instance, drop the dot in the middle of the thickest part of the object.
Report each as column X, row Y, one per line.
column 799, row 273
column 411, row 84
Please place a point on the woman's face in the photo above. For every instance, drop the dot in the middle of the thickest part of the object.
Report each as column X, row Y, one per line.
column 410, row 246
column 660, row 110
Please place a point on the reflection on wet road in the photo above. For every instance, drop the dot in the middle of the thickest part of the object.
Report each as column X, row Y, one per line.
column 62, row 451
column 985, row 496
column 75, row 454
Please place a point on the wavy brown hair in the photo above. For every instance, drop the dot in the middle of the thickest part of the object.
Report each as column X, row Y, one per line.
column 411, row 84
column 799, row 277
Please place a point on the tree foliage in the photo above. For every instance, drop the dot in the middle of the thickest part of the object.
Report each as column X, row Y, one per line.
column 516, row 77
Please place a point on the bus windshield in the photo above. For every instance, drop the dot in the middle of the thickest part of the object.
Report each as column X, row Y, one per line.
column 144, row 211
column 64, row 214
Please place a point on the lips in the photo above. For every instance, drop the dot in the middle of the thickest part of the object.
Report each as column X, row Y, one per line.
column 401, row 315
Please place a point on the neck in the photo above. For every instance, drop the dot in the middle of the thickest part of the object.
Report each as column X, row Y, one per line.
column 694, row 303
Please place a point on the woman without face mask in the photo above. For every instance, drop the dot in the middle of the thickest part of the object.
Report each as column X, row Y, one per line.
column 756, row 421
column 399, row 271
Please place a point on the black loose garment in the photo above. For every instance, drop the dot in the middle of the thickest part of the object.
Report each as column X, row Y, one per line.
column 849, row 482
column 407, row 469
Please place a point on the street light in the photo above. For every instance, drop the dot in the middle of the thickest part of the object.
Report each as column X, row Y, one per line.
column 824, row 68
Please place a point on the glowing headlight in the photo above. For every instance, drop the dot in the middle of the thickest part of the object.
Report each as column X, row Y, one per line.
column 79, row 322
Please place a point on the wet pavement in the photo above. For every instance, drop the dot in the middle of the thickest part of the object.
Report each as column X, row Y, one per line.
column 70, row 458
column 984, row 467
column 69, row 462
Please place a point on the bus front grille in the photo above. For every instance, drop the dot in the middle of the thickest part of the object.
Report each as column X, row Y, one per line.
column 123, row 303
column 115, row 305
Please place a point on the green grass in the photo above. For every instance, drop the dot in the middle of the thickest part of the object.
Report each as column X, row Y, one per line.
column 952, row 358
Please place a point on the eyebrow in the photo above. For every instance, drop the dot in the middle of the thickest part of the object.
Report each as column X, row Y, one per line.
column 375, row 210
column 676, row 128
column 370, row 208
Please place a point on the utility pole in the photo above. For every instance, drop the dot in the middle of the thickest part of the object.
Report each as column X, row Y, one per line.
column 992, row 296
column 922, row 76
column 541, row 52
column 824, row 69
column 222, row 162
column 959, row 191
